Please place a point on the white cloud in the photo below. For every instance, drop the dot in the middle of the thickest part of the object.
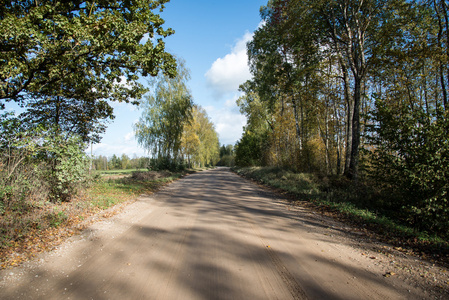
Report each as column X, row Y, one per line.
column 231, row 103
column 129, row 137
column 261, row 24
column 124, row 109
column 230, row 127
column 227, row 73
column 228, row 121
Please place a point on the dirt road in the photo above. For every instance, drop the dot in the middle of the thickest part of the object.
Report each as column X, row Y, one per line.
column 213, row 235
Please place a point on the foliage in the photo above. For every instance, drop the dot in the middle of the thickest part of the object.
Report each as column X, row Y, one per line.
column 190, row 140
column 37, row 163
column 124, row 162
column 82, row 45
column 173, row 129
column 336, row 83
column 63, row 61
column 18, row 146
column 227, row 156
column 115, row 162
column 67, row 166
column 249, row 150
column 72, row 117
column 410, row 158
column 164, row 115
column 287, row 93
column 199, row 140
column 300, row 184
column 311, row 62
column 226, row 150
column 163, row 163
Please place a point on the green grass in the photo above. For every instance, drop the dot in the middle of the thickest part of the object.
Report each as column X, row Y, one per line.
column 300, row 184
column 106, row 193
column 118, row 172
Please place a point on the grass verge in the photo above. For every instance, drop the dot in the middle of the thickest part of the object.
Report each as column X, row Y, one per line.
column 35, row 226
column 353, row 204
column 122, row 171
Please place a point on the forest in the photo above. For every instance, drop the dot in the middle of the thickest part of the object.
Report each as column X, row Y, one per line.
column 355, row 92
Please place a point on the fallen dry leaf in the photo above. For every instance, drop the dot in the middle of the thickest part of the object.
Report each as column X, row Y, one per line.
column 388, row 274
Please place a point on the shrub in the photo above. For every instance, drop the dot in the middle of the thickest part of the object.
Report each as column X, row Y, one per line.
column 38, row 163
column 410, row 161
column 68, row 167
column 248, row 151
column 166, row 164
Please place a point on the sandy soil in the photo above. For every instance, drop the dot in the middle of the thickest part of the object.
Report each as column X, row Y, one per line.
column 214, row 235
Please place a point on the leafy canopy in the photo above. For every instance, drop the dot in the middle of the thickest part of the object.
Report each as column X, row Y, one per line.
column 80, row 49
column 164, row 115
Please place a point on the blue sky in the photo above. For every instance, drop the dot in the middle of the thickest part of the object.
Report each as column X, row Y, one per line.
column 211, row 37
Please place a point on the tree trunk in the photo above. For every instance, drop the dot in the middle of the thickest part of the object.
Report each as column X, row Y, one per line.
column 298, row 130
column 441, row 46
column 349, row 117
column 326, row 132
column 338, row 139
column 353, row 172
column 446, row 47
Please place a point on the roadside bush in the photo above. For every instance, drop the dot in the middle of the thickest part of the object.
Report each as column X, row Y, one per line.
column 167, row 164
column 248, row 151
column 226, row 161
column 299, row 184
column 68, row 167
column 38, row 164
column 410, row 162
column 18, row 180
column 20, row 187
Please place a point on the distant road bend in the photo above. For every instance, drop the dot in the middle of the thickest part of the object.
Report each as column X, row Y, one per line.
column 210, row 235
